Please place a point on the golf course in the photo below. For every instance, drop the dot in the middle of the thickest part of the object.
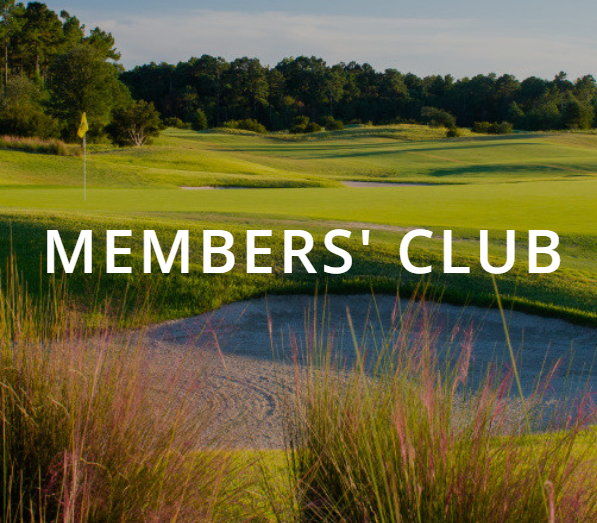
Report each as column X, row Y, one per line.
column 274, row 402
column 414, row 178
column 298, row 262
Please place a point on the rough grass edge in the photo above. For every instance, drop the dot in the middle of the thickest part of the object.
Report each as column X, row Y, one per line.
column 39, row 146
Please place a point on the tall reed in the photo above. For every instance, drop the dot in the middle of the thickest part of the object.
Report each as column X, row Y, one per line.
column 91, row 432
column 402, row 435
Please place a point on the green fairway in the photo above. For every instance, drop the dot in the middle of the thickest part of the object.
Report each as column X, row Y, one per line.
column 565, row 207
column 396, row 153
column 523, row 181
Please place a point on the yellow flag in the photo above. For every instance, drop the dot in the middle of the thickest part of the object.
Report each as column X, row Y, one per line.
column 83, row 127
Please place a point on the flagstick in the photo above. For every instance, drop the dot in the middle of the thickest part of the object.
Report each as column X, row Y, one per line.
column 85, row 168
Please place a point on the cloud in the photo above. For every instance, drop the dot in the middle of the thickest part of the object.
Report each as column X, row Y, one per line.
column 420, row 45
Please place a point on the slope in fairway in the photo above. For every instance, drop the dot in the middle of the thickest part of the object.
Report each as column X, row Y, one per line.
column 396, row 153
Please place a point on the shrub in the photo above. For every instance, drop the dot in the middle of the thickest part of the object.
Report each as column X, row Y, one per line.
column 438, row 117
column 492, row 128
column 504, row 128
column 136, row 124
column 199, row 121
column 481, row 127
column 245, row 125
column 453, row 132
column 312, row 127
column 230, row 124
column 331, row 124
column 177, row 123
column 300, row 125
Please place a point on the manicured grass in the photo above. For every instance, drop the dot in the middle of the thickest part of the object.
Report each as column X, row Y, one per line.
column 524, row 181
column 564, row 207
column 570, row 292
column 395, row 153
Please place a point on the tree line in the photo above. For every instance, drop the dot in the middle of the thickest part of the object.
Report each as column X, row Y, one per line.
column 307, row 87
column 53, row 69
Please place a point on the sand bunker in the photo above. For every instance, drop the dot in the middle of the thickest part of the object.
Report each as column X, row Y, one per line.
column 219, row 187
column 386, row 184
column 347, row 183
column 242, row 375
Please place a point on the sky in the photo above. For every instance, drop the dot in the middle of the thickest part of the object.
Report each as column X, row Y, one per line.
column 458, row 37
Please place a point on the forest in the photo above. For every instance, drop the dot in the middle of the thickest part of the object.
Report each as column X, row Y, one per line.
column 356, row 93
column 53, row 69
